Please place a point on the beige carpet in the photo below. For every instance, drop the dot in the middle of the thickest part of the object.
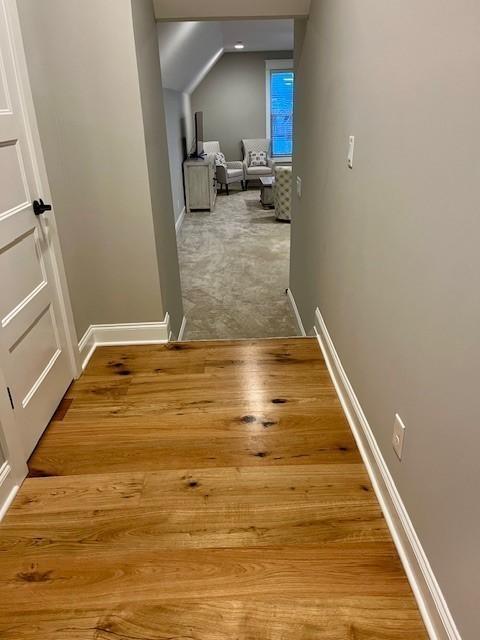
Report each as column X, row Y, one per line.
column 234, row 267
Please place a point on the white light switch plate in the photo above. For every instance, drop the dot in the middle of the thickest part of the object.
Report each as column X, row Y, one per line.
column 398, row 436
column 299, row 187
column 351, row 147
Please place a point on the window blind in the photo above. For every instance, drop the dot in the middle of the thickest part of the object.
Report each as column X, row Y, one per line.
column 281, row 112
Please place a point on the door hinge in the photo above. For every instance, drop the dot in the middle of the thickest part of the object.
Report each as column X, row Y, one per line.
column 10, row 398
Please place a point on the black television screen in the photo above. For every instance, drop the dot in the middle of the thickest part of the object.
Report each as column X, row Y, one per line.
column 199, row 133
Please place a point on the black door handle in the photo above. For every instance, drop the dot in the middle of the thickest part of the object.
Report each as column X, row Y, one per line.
column 40, row 207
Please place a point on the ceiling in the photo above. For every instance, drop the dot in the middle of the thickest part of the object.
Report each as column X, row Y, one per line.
column 188, row 50
column 258, row 35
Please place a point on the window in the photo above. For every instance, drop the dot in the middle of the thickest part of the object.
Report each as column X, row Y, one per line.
column 280, row 94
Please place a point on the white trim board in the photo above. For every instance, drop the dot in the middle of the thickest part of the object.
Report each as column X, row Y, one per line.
column 433, row 607
column 182, row 329
column 293, row 304
column 180, row 220
column 107, row 335
column 10, row 498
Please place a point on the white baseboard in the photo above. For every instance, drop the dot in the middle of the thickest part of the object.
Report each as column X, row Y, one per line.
column 107, row 335
column 87, row 346
column 179, row 222
column 433, row 607
column 293, row 304
column 12, row 485
column 181, row 333
column 8, row 501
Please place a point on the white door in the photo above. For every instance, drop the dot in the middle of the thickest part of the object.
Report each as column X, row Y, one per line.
column 34, row 356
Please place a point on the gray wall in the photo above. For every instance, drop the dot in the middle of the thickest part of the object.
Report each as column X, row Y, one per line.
column 150, row 81
column 176, row 136
column 389, row 250
column 85, row 81
column 232, row 97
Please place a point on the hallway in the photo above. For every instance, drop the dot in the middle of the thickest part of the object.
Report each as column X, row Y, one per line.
column 175, row 463
column 234, row 267
column 204, row 490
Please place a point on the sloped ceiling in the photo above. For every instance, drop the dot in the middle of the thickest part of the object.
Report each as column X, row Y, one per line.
column 188, row 50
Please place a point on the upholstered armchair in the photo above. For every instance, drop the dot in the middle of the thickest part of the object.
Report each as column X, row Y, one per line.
column 282, row 193
column 256, row 145
column 225, row 172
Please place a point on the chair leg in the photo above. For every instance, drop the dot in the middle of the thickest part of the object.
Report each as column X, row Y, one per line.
column 246, row 184
column 226, row 186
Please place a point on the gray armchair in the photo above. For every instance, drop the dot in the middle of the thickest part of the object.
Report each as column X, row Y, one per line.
column 254, row 173
column 227, row 173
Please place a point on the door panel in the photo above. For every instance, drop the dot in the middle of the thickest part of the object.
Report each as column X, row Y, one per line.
column 33, row 344
column 11, row 168
column 35, row 353
column 20, row 284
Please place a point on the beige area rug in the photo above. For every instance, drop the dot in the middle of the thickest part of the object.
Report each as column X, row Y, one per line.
column 234, row 266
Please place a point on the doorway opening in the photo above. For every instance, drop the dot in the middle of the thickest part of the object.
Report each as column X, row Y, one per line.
column 228, row 91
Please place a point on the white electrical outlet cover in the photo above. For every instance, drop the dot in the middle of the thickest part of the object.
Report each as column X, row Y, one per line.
column 299, row 187
column 398, row 436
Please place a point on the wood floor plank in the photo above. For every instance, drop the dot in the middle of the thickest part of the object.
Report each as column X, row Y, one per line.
column 75, row 493
column 201, row 491
column 282, row 485
column 390, row 618
column 213, row 508
column 299, row 571
column 233, row 423
column 155, row 529
column 137, row 452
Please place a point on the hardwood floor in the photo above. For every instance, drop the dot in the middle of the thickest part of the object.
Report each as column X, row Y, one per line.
column 201, row 491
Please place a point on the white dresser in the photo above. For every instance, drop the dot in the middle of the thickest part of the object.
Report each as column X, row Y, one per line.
column 200, row 185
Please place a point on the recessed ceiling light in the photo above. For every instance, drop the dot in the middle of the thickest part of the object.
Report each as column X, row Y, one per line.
column 239, row 45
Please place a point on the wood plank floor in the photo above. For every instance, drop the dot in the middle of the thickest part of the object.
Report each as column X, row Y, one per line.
column 201, row 491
